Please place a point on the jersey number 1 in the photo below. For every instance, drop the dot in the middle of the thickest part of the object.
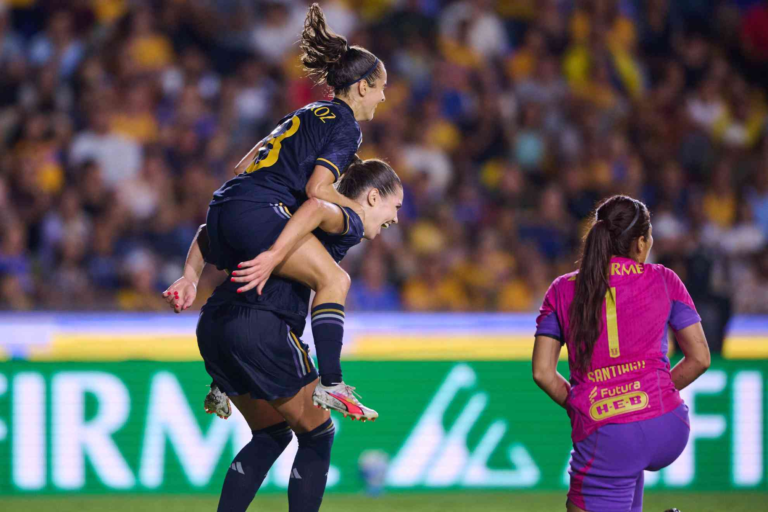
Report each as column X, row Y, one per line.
column 610, row 322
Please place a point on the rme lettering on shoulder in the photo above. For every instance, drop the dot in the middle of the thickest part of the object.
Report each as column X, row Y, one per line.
column 609, row 372
column 619, row 269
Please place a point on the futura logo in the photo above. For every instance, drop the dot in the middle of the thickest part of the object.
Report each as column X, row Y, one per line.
column 434, row 457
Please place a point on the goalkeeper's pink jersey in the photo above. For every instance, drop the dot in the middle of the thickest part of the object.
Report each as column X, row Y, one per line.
column 629, row 377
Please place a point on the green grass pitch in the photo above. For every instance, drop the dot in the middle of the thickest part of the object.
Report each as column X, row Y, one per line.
column 437, row 502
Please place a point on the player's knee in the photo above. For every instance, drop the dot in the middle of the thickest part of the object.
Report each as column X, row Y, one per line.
column 308, row 419
column 322, row 435
column 337, row 281
column 282, row 434
column 344, row 282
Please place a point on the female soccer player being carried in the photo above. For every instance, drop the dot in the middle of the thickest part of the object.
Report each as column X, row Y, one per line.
column 373, row 184
column 254, row 356
column 301, row 159
column 623, row 400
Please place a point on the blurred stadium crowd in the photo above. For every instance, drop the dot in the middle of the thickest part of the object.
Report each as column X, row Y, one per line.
column 507, row 120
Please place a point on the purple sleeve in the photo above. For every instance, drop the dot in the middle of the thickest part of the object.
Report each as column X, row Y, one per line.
column 547, row 323
column 683, row 313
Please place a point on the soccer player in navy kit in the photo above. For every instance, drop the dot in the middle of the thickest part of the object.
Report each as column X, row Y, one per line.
column 269, row 375
column 301, row 159
column 254, row 356
column 373, row 184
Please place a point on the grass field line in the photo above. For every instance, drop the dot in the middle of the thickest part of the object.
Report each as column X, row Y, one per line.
column 434, row 502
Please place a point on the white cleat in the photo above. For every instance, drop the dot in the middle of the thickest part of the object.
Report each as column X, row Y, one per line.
column 217, row 402
column 342, row 398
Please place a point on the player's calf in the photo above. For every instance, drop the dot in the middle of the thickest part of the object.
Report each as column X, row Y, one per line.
column 309, row 473
column 249, row 468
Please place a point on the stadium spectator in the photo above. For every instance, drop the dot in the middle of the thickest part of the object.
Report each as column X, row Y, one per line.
column 372, row 291
column 507, row 121
column 119, row 159
column 58, row 44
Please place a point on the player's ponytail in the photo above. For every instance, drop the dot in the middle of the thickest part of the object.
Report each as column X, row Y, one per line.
column 363, row 175
column 328, row 59
column 618, row 221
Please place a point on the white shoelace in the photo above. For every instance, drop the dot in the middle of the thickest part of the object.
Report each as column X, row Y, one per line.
column 350, row 392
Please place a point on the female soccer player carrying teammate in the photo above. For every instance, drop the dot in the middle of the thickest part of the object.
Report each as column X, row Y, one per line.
column 254, row 351
column 623, row 401
column 302, row 158
column 370, row 183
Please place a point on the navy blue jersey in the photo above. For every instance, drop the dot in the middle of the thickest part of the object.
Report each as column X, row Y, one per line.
column 322, row 133
column 337, row 245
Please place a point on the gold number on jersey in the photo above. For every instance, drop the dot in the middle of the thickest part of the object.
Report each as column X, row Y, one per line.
column 276, row 141
column 324, row 113
column 610, row 322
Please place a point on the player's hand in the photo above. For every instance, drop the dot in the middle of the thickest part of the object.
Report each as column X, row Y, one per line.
column 256, row 272
column 181, row 294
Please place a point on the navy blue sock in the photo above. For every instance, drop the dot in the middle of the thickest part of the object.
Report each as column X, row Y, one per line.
column 328, row 331
column 251, row 465
column 310, row 469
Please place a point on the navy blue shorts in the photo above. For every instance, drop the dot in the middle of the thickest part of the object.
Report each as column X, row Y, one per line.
column 248, row 350
column 241, row 230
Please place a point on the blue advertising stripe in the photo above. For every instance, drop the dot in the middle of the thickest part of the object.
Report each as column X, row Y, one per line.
column 369, row 336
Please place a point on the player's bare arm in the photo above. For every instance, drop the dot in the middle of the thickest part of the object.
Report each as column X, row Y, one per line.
column 546, row 352
column 693, row 344
column 181, row 294
column 242, row 165
column 320, row 186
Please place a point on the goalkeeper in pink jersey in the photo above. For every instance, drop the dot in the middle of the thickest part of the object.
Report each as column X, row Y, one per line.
column 623, row 400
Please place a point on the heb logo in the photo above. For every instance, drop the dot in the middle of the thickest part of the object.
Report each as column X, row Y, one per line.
column 622, row 404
